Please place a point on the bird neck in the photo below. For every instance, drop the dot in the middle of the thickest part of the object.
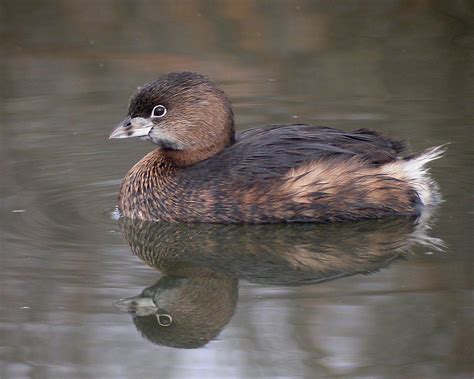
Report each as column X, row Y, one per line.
column 147, row 183
column 201, row 148
column 187, row 158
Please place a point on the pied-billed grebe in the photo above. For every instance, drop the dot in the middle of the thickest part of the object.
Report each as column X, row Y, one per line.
column 202, row 172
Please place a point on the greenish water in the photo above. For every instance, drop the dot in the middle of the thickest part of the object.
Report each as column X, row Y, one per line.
column 252, row 301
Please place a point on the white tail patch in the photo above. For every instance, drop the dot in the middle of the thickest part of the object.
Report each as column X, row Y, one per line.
column 414, row 171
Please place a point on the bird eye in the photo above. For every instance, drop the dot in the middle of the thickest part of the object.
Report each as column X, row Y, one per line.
column 158, row 111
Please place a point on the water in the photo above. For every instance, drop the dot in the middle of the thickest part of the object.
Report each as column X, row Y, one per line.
column 262, row 304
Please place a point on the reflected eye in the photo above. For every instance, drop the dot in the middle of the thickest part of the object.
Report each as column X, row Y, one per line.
column 164, row 319
column 158, row 111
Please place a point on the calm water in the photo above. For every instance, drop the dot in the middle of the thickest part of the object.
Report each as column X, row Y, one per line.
column 247, row 301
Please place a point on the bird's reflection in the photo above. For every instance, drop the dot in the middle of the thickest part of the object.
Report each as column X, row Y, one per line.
column 201, row 264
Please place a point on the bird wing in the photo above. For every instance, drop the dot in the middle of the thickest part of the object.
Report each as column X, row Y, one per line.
column 271, row 151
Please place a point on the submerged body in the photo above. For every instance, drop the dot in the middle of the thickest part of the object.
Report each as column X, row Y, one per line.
column 202, row 172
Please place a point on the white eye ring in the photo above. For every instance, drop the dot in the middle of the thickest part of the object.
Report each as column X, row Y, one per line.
column 168, row 322
column 158, row 111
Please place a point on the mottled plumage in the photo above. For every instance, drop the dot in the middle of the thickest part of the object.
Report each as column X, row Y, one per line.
column 282, row 173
